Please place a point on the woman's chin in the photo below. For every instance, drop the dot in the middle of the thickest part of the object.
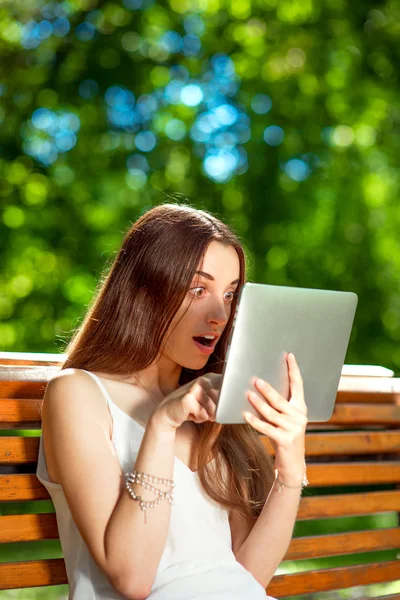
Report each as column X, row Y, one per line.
column 195, row 363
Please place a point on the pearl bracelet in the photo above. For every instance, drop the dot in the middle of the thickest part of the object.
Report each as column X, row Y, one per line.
column 143, row 479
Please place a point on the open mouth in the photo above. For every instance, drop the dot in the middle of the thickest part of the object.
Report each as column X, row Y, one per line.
column 206, row 342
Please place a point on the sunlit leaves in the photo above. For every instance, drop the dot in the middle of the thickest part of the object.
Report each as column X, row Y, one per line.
column 282, row 117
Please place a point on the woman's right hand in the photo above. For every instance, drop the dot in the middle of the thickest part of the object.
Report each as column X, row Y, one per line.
column 194, row 401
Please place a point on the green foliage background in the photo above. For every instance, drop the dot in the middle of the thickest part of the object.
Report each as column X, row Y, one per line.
column 327, row 72
column 330, row 68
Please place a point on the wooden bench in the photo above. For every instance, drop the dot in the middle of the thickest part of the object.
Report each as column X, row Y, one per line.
column 353, row 468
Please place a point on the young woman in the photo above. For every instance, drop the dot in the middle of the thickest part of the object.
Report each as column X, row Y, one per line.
column 153, row 498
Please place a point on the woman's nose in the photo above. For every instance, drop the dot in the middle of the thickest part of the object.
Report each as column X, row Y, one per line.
column 218, row 314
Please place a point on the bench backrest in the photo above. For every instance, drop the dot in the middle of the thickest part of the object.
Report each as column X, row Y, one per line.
column 353, row 468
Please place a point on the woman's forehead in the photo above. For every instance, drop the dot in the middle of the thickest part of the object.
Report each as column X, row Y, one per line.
column 220, row 261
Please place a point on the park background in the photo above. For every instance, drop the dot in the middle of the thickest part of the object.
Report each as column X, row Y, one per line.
column 279, row 116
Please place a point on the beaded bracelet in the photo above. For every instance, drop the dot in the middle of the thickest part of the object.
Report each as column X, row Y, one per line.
column 142, row 479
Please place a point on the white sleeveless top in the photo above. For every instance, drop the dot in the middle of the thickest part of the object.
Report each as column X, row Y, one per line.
column 197, row 563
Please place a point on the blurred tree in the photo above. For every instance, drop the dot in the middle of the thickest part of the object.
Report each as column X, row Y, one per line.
column 282, row 117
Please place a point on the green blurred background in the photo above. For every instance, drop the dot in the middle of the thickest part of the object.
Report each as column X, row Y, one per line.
column 280, row 116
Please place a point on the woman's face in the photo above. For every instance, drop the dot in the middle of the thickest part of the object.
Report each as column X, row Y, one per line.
column 206, row 308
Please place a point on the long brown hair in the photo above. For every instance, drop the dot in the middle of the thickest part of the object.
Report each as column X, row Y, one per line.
column 126, row 326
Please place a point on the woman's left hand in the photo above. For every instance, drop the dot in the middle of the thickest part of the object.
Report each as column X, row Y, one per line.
column 284, row 422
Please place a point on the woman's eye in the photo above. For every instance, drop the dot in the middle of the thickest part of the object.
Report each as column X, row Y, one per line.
column 232, row 296
column 197, row 291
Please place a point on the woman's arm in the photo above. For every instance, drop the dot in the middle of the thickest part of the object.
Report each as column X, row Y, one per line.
column 266, row 540
column 76, row 436
column 264, row 543
column 133, row 548
column 112, row 525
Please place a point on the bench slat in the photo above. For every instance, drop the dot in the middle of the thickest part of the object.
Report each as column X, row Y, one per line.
column 52, row 572
column 360, row 473
column 336, row 544
column 354, row 442
column 333, row 579
column 22, row 389
column 346, row 505
column 19, row 450
column 34, row 527
column 358, row 389
column 44, row 526
column 33, row 573
column 365, row 414
column 28, row 528
column 19, row 413
column 15, row 411
column 20, row 488
column 345, row 397
column 28, row 487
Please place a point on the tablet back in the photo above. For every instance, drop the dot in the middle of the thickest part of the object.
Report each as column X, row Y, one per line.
column 271, row 320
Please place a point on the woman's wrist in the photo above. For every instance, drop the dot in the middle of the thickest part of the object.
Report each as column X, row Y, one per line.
column 293, row 478
column 160, row 425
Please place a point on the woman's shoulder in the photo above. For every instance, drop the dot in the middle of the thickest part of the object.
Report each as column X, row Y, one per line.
column 73, row 392
column 67, row 377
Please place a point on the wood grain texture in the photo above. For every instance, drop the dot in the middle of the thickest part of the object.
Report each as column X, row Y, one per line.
column 367, row 397
column 332, row 579
column 24, row 450
column 44, row 526
column 28, row 487
column 18, row 450
column 337, row 544
column 348, row 443
column 360, row 473
column 22, row 389
column 18, row 488
column 33, row 573
column 20, row 413
column 363, row 414
column 28, row 528
column 343, row 505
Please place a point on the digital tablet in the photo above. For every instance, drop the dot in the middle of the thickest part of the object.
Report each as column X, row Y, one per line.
column 272, row 320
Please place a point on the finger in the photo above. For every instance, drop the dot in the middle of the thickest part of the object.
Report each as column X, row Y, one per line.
column 295, row 382
column 270, row 394
column 214, row 395
column 215, row 380
column 276, row 400
column 212, row 381
column 262, row 427
column 193, row 407
column 204, row 399
column 268, row 412
column 209, row 387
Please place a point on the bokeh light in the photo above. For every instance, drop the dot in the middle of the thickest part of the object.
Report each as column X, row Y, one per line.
column 274, row 135
column 274, row 114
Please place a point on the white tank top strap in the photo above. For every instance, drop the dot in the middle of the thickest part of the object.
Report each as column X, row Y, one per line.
column 101, row 386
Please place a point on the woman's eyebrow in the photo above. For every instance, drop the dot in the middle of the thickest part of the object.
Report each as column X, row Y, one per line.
column 211, row 278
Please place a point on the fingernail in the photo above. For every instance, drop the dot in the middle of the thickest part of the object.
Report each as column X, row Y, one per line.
column 260, row 382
